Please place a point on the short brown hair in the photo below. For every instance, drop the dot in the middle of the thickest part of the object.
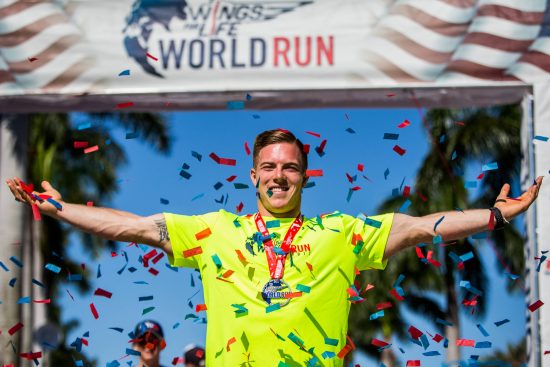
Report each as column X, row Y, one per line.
column 277, row 136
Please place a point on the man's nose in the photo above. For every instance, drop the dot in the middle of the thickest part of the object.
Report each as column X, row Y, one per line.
column 279, row 174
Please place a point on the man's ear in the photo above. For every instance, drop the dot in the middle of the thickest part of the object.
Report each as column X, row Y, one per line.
column 253, row 177
column 304, row 183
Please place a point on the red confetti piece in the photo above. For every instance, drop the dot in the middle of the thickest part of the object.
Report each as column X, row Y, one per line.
column 84, row 341
column 355, row 188
column 32, row 59
column 89, row 203
column 15, row 328
column 192, row 252
column 356, row 237
column 240, row 207
column 459, row 123
column 102, row 293
column 293, row 295
column 481, row 175
column 383, row 305
column 41, row 300
column 422, row 197
column 31, row 356
column 241, row 257
column 404, row 124
column 95, row 148
column 124, row 104
column 351, row 292
column 390, row 95
column 246, row 148
column 347, row 348
column 396, row 295
column 413, row 363
column 224, row 161
column 406, row 191
column 314, row 172
column 200, row 307
column 414, row 332
column 35, row 212
column 306, row 148
column 203, row 234
column 177, row 360
column 321, row 147
column 369, row 287
column 314, row 134
column 153, row 271
column 491, row 224
column 378, row 343
column 152, row 57
column 465, row 342
column 399, row 150
column 158, row 257
column 229, row 342
column 309, row 266
column 437, row 338
column 80, row 144
column 231, row 178
column 148, row 256
column 535, row 306
column 350, row 179
column 360, row 167
column 94, row 311
column 114, row 254
column 227, row 274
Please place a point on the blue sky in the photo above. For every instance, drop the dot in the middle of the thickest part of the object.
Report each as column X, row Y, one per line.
column 149, row 177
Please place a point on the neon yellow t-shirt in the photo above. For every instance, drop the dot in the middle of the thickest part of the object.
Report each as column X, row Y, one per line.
column 242, row 328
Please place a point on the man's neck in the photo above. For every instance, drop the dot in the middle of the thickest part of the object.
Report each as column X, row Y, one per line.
column 290, row 214
column 151, row 364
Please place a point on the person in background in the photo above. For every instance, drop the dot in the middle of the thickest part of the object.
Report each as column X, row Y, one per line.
column 149, row 341
column 193, row 356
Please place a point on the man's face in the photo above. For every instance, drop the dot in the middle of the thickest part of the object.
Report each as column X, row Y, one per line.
column 150, row 350
column 281, row 179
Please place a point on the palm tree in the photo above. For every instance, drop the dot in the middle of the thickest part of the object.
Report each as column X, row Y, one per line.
column 514, row 356
column 459, row 139
column 81, row 177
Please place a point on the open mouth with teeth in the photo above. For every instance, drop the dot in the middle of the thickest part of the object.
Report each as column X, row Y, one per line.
column 276, row 189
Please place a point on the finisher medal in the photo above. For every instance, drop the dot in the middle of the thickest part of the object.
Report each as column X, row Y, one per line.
column 276, row 289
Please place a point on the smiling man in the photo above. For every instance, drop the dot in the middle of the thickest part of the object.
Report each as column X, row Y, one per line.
column 269, row 305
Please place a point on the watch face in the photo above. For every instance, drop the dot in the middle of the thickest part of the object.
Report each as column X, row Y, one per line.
column 276, row 291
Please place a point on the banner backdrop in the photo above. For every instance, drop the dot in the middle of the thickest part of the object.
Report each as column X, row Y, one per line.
column 104, row 55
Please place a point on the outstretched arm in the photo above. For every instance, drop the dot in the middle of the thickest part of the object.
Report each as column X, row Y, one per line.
column 409, row 231
column 107, row 223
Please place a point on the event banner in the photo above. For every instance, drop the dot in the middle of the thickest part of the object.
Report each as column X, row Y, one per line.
column 105, row 47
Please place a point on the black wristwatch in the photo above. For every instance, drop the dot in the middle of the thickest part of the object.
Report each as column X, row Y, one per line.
column 500, row 221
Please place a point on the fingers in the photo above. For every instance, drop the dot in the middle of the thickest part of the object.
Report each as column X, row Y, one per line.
column 503, row 193
column 17, row 191
column 47, row 186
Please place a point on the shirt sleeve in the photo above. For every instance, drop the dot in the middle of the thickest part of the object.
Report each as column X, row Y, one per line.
column 369, row 236
column 187, row 236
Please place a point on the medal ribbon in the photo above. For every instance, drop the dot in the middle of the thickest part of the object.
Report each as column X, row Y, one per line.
column 276, row 262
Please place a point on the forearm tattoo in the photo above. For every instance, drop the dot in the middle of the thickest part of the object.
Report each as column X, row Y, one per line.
column 163, row 231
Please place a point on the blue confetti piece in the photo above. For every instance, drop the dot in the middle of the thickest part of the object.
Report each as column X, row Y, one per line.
column 330, row 341
column 350, row 193
column 119, row 329
column 218, row 185
column 240, row 186
column 174, row 269
column 501, row 322
column 16, row 261
column 34, row 281
column 55, row 203
column 196, row 155
column 185, row 174
column 84, row 126
column 74, row 277
column 350, row 130
column 405, row 206
column 4, row 266
column 273, row 223
column 176, row 325
column 124, row 72
column 53, row 268
column 197, row 197
column 541, row 138
column 437, row 240
column 489, row 167
column 438, row 222
column 12, row 282
column 482, row 329
column 255, row 117
column 164, row 201
column 483, row 344
column 453, row 156
column 467, row 256
column 273, row 307
column 248, row 97
column 132, row 352
column 431, row 354
column 303, row 288
column 327, row 354
column 235, row 105
column 512, row 276
column 131, row 135
column 390, row 136
column 480, row 236
column 145, row 298
column 376, row 315
column 470, row 184
column 398, row 281
column 386, row 173
column 443, row 322
column 140, row 282
column 113, row 363
column 442, row 138
column 24, row 300
column 98, row 275
column 372, row 222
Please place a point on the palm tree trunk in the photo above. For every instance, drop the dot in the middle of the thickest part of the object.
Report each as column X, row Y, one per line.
column 13, row 236
column 388, row 356
column 452, row 333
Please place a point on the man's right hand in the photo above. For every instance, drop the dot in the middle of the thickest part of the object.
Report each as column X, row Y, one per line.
column 44, row 206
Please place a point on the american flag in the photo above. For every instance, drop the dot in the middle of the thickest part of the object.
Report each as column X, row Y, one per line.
column 42, row 50
column 459, row 42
